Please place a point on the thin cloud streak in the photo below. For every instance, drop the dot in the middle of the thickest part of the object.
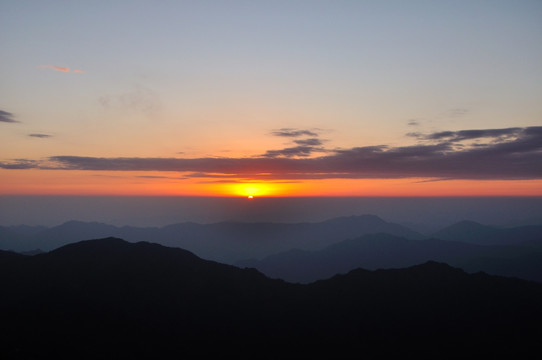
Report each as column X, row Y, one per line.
column 7, row 117
column 461, row 135
column 20, row 164
column 43, row 136
column 514, row 153
column 296, row 151
column 309, row 142
column 289, row 132
column 60, row 68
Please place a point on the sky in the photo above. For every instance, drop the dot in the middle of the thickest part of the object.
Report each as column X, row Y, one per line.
column 271, row 98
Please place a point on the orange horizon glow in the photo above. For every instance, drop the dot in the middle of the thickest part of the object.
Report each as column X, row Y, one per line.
column 58, row 182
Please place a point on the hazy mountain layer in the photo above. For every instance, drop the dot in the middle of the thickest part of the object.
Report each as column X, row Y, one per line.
column 381, row 251
column 475, row 233
column 225, row 242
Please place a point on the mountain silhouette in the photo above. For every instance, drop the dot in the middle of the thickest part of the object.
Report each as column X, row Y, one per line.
column 377, row 251
column 475, row 233
column 226, row 242
column 111, row 298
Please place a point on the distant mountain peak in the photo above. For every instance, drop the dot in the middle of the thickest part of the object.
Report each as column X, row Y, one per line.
column 469, row 223
column 466, row 231
column 355, row 218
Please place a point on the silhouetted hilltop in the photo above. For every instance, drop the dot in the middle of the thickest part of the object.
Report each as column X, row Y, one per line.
column 9, row 255
column 381, row 251
column 116, row 299
column 64, row 234
column 10, row 239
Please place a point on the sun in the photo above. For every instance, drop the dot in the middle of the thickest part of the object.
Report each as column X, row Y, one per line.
column 251, row 190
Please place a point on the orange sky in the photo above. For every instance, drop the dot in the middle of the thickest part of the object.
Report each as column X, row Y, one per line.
column 292, row 98
column 59, row 182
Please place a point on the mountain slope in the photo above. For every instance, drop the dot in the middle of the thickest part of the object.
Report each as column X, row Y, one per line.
column 475, row 233
column 115, row 299
column 226, row 242
column 378, row 251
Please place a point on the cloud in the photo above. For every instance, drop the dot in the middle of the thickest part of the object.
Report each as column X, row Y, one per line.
column 295, row 151
column 457, row 112
column 309, row 142
column 516, row 154
column 304, row 148
column 139, row 98
column 289, row 132
column 413, row 122
column 57, row 68
column 7, row 117
column 60, row 68
column 40, row 135
column 161, row 177
column 19, row 164
column 462, row 135
column 105, row 101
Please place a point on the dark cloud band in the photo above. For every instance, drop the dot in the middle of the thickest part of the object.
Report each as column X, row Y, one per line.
column 289, row 132
column 514, row 153
column 7, row 117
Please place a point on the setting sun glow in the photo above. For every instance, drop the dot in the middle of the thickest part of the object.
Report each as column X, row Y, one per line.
column 251, row 190
column 264, row 117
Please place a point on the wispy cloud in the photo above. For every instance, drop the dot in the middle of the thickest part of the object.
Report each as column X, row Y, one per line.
column 514, row 153
column 309, row 142
column 60, row 68
column 7, row 117
column 19, row 164
column 303, row 148
column 139, row 98
column 296, row 151
column 457, row 112
column 461, row 135
column 289, row 132
column 40, row 135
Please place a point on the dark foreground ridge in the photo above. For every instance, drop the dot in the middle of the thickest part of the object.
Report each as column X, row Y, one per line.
column 108, row 298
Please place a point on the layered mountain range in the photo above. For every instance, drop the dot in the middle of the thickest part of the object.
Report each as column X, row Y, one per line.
column 225, row 241
column 109, row 298
column 306, row 252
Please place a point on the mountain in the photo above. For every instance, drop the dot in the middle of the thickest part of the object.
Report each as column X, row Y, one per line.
column 27, row 230
column 377, row 251
column 10, row 239
column 6, row 256
column 111, row 298
column 475, row 233
column 226, row 242
column 465, row 231
column 66, row 233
